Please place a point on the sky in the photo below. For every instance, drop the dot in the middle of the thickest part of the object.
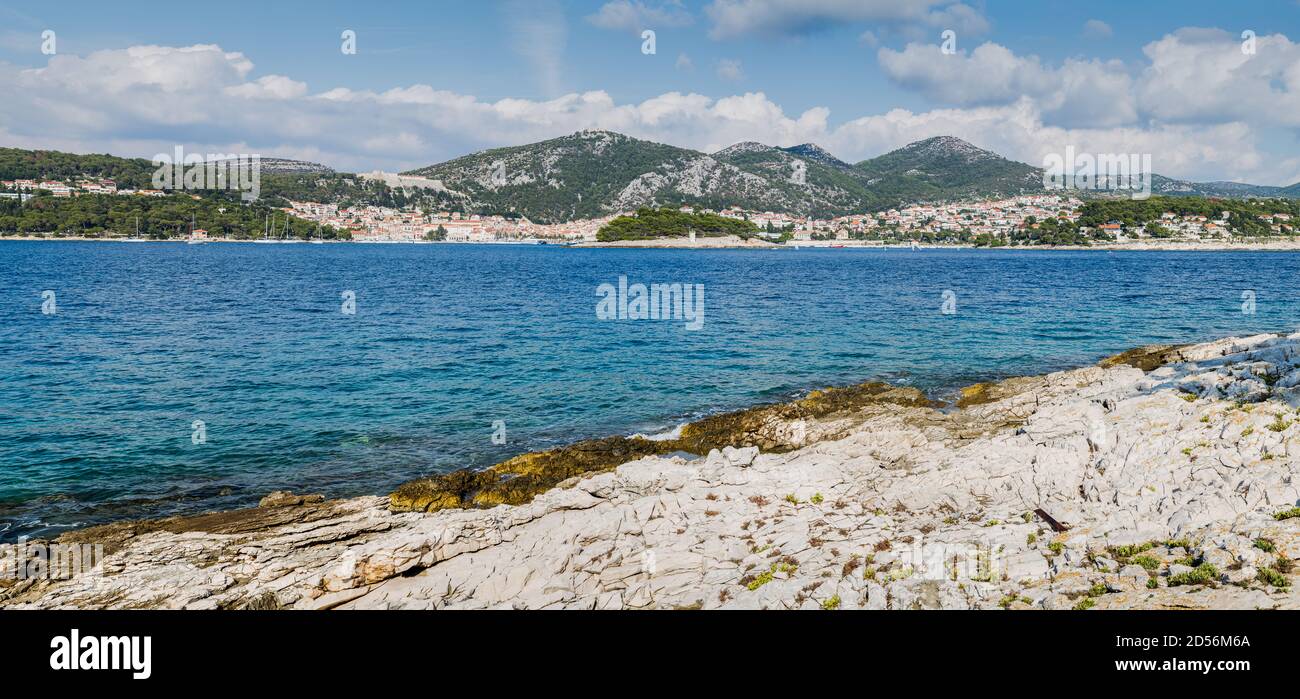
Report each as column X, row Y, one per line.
column 1210, row 89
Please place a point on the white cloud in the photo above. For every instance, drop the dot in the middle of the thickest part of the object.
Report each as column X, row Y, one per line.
column 1193, row 76
column 634, row 15
column 1017, row 131
column 684, row 62
column 1079, row 92
column 958, row 17
column 730, row 69
column 1203, row 76
column 1097, row 29
column 735, row 18
column 269, row 87
column 146, row 100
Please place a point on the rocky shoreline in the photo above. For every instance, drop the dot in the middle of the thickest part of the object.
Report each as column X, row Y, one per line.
column 1160, row 478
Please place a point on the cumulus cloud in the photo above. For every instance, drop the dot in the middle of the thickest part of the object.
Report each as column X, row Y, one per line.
column 269, row 87
column 1194, row 76
column 1079, row 92
column 1017, row 130
column 635, row 15
column 736, row 18
column 1204, row 76
column 139, row 102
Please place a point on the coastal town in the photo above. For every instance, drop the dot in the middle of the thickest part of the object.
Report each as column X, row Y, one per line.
column 992, row 221
column 999, row 219
column 23, row 189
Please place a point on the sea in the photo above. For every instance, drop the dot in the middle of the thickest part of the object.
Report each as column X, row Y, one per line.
column 153, row 379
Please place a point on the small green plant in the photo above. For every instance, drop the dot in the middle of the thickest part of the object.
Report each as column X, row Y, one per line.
column 757, row 581
column 832, row 603
column 1147, row 562
column 1029, row 540
column 1270, row 576
column 1203, row 574
column 817, row 498
column 1187, row 451
column 792, row 499
column 1028, row 517
column 1098, row 590
column 1153, row 583
column 1279, row 424
column 1265, row 545
column 1123, row 552
column 753, row 582
column 899, row 574
column 1178, row 544
column 949, row 520
column 992, row 523
column 1056, row 547
column 1248, row 432
column 1085, row 604
column 1287, row 514
column 1205, row 418
column 1189, row 397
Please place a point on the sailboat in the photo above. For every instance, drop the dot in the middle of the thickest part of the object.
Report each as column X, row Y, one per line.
column 192, row 240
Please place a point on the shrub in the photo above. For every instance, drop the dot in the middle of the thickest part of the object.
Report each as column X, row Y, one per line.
column 1203, row 574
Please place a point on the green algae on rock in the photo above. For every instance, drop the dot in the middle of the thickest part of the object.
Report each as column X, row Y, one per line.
column 994, row 391
column 763, row 426
column 279, row 508
column 1146, row 358
column 518, row 480
column 515, row 481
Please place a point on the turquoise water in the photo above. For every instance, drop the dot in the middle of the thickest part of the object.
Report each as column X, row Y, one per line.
column 98, row 400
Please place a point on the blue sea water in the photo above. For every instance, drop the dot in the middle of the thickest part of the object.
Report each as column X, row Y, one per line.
column 98, row 400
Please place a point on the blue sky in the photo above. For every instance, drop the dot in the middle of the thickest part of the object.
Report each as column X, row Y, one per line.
column 432, row 80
